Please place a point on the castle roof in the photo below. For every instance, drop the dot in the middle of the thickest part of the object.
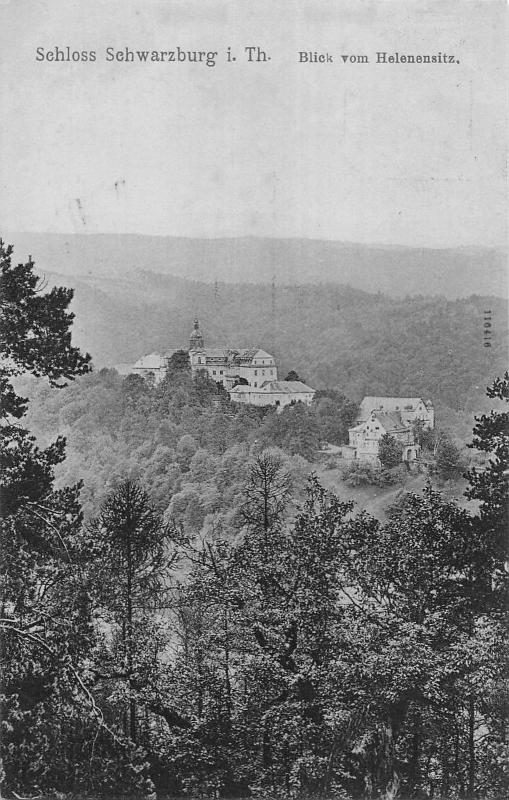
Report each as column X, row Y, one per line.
column 241, row 357
column 286, row 387
column 151, row 361
column 391, row 403
column 217, row 352
column 248, row 352
column 246, row 356
column 274, row 387
column 262, row 354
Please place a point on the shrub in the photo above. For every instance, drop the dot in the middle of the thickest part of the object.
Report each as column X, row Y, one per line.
column 361, row 473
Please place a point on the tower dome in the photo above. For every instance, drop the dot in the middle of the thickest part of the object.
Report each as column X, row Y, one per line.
column 196, row 338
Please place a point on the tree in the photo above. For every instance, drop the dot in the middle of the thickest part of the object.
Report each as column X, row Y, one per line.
column 35, row 331
column 129, row 545
column 275, row 602
column 294, row 429
column 448, row 458
column 490, row 486
column 45, row 620
column 335, row 414
column 412, row 616
column 389, row 451
column 35, row 338
column 179, row 361
column 362, row 473
column 186, row 449
column 425, row 437
column 46, row 623
column 267, row 494
column 292, row 376
column 135, row 387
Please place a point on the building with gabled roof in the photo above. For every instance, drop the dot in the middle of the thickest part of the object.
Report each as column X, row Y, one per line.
column 364, row 438
column 248, row 374
column 273, row 393
column 153, row 364
column 410, row 409
column 230, row 366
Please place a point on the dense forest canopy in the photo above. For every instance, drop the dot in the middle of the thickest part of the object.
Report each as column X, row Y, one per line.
column 202, row 618
column 182, row 438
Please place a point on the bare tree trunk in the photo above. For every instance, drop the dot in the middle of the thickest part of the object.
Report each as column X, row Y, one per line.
column 471, row 747
column 227, row 665
column 414, row 772
column 132, row 703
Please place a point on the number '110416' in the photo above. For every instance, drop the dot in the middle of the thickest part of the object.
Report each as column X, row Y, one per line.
column 487, row 329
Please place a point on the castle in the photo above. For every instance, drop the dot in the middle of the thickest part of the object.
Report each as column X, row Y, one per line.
column 249, row 375
column 250, row 367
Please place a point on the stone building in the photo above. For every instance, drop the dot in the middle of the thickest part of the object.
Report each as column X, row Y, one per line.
column 409, row 409
column 273, row 393
column 249, row 375
column 152, row 367
column 229, row 366
column 364, row 438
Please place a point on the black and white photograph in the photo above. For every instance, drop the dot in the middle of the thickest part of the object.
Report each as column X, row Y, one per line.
column 254, row 460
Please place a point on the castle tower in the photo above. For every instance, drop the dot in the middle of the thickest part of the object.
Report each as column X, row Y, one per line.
column 196, row 339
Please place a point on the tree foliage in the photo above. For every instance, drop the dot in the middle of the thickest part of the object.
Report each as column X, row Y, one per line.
column 490, row 486
column 390, row 451
column 179, row 361
column 229, row 631
column 448, row 458
column 35, row 330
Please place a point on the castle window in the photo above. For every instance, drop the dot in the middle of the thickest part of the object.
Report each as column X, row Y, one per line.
column 199, row 359
column 256, row 384
column 213, row 372
column 256, row 372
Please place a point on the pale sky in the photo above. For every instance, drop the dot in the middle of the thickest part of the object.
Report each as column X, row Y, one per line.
column 376, row 153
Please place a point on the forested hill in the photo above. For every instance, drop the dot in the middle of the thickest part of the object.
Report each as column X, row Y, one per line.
column 396, row 271
column 334, row 336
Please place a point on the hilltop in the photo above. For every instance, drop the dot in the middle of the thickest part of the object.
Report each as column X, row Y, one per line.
column 334, row 336
column 337, row 335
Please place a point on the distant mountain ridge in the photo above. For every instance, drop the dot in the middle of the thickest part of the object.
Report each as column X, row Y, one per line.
column 395, row 270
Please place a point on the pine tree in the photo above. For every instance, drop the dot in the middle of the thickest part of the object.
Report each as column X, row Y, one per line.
column 45, row 605
column 448, row 458
column 490, row 486
column 53, row 726
column 130, row 552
